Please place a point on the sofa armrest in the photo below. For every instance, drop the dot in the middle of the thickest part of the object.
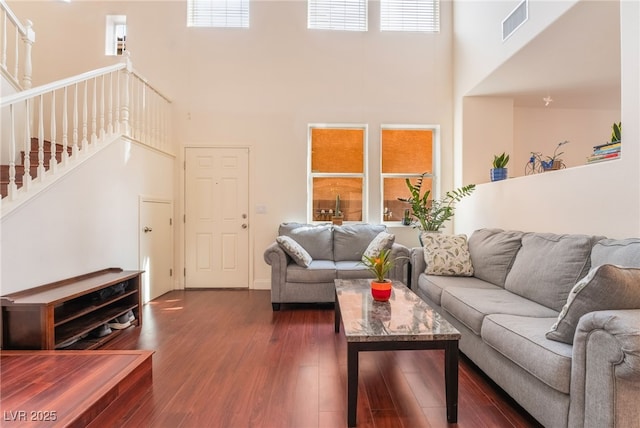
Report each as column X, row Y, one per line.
column 275, row 256
column 605, row 372
column 418, row 265
column 400, row 270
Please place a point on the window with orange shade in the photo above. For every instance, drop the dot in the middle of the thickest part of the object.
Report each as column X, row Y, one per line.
column 406, row 153
column 337, row 170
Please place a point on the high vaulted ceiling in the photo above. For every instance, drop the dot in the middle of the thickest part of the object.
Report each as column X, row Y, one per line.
column 575, row 61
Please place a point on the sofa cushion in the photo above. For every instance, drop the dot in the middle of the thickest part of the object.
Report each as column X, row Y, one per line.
column 318, row 271
column 522, row 340
column 350, row 241
column 493, row 252
column 548, row 266
column 446, row 255
column 295, row 250
column 382, row 241
column 317, row 240
column 352, row 270
column 471, row 305
column 605, row 287
column 622, row 252
column 433, row 286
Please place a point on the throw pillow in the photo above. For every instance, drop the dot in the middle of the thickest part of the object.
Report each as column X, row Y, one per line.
column 295, row 250
column 447, row 255
column 382, row 241
column 606, row 287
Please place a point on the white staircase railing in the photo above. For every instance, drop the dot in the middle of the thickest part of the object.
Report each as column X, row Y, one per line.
column 16, row 41
column 70, row 117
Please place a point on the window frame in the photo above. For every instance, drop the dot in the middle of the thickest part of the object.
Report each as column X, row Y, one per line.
column 429, row 5
column 190, row 13
column 434, row 175
column 314, row 24
column 364, row 175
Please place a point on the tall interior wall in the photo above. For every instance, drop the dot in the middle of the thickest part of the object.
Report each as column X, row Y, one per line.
column 601, row 198
column 86, row 221
column 261, row 87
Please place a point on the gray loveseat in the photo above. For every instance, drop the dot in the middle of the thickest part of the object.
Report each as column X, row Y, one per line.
column 505, row 312
column 334, row 252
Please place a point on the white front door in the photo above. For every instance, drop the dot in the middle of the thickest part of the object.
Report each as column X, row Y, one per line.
column 156, row 247
column 216, row 207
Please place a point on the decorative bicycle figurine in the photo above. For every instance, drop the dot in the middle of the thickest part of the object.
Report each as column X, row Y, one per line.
column 537, row 165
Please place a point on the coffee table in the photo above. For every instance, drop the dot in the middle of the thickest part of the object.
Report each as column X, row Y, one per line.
column 405, row 322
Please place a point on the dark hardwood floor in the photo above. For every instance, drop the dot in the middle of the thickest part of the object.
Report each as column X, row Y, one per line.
column 224, row 359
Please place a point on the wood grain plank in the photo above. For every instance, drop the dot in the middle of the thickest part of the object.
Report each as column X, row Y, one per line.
column 223, row 358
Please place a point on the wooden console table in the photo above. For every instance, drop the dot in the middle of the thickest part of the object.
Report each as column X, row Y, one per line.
column 52, row 315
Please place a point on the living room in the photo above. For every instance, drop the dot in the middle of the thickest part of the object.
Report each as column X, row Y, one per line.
column 277, row 77
column 261, row 87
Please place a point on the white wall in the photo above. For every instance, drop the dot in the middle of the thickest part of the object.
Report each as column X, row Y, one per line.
column 261, row 87
column 87, row 221
column 601, row 198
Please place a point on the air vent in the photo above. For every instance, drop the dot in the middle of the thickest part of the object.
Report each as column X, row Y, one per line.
column 515, row 19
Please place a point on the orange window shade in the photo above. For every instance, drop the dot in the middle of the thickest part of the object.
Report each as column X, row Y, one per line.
column 408, row 151
column 325, row 191
column 395, row 188
column 337, row 150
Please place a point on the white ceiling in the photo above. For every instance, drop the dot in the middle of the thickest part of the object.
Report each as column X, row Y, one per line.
column 576, row 61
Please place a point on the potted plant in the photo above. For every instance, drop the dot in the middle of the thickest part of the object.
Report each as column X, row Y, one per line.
column 554, row 162
column 379, row 266
column 337, row 214
column 616, row 132
column 499, row 170
column 431, row 214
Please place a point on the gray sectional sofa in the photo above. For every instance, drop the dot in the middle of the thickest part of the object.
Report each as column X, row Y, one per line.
column 589, row 375
column 330, row 252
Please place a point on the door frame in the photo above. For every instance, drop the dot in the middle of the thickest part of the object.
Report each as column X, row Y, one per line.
column 142, row 199
column 183, row 202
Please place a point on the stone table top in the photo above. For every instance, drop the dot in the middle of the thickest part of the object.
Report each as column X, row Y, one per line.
column 405, row 317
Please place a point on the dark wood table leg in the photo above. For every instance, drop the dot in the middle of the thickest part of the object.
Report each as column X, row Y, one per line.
column 451, row 380
column 352, row 384
column 337, row 315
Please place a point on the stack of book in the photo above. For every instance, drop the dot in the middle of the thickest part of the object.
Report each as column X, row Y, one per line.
column 606, row 151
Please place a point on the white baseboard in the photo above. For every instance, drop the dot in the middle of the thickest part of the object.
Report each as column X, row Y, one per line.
column 262, row 284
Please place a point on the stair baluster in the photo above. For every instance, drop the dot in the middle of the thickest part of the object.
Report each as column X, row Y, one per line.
column 53, row 161
column 74, row 129
column 65, row 128
column 41, row 169
column 26, row 177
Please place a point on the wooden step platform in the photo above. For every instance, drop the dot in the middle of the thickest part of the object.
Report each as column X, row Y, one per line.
column 69, row 388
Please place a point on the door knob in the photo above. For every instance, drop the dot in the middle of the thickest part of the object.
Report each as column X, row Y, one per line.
column 244, row 225
column 147, row 229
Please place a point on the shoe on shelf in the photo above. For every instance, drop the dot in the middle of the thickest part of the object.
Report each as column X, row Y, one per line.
column 121, row 322
column 101, row 331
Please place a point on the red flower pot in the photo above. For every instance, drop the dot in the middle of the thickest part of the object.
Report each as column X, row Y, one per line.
column 381, row 291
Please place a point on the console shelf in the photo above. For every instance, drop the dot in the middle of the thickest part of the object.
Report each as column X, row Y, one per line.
column 53, row 315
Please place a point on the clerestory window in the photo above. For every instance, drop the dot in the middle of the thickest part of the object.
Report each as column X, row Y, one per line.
column 345, row 15
column 410, row 15
column 218, row 13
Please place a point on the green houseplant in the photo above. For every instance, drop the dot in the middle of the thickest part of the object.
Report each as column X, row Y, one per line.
column 616, row 132
column 431, row 214
column 380, row 266
column 499, row 170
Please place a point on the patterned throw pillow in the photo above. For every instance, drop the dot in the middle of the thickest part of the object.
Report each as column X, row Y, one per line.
column 446, row 255
column 605, row 287
column 382, row 241
column 295, row 250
